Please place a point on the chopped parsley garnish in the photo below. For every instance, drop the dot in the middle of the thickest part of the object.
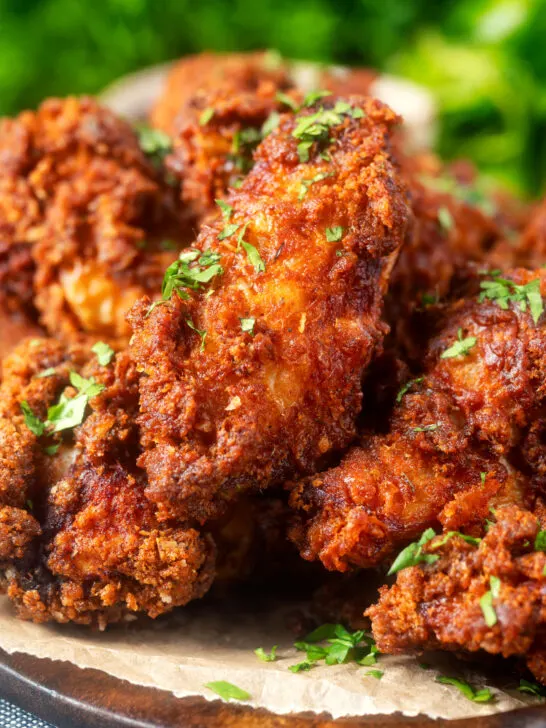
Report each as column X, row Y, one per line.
column 313, row 96
column 253, row 257
column 342, row 646
column 227, row 690
column 488, row 611
column 540, row 541
column 202, row 333
column 29, row 504
column 494, row 583
column 449, row 535
column 334, row 234
column 316, row 127
column 413, row 554
column 445, row 218
column 154, row 143
column 228, row 231
column 51, row 449
column 267, row 656
column 206, row 116
column 227, row 210
column 67, row 413
column 192, row 269
column 533, row 688
column 477, row 696
column 426, row 428
column 306, row 183
column 287, row 101
column 270, row 124
column 378, row 674
column 503, row 291
column 34, row 423
column 407, row 386
column 461, row 347
column 247, row 325
column 301, row 666
column 46, row 373
column 428, row 299
column 104, row 353
column 483, row 476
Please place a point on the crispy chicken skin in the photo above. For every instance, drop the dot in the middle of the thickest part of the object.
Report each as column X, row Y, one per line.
column 437, row 605
column 247, row 410
column 78, row 539
column 83, row 215
column 453, row 441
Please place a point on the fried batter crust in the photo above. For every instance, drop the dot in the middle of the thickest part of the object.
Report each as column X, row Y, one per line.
column 469, row 415
column 438, row 605
column 250, row 410
column 78, row 538
column 82, row 215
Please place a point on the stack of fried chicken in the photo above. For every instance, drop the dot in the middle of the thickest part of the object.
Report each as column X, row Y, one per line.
column 263, row 314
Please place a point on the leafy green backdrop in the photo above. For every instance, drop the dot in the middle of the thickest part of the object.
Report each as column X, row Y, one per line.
column 484, row 59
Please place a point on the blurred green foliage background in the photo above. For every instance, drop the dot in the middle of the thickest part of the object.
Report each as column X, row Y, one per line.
column 485, row 60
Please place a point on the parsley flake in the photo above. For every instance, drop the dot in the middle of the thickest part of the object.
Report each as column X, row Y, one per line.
column 503, row 291
column 154, row 143
column 413, row 554
column 46, row 373
column 313, row 96
column 426, row 428
column 228, row 231
column 104, row 353
column 533, row 688
column 227, row 690
column 206, row 116
column 461, row 347
column 445, row 219
column 311, row 128
column 449, row 535
column 247, row 325
column 378, row 674
column 477, row 696
column 287, row 101
column 267, row 656
column 334, row 234
column 342, row 646
column 301, row 666
column 181, row 274
column 34, row 423
column 253, row 257
column 407, row 386
column 540, row 541
column 52, row 449
column 488, row 611
column 227, row 210
column 306, row 183
column 270, row 124
column 202, row 333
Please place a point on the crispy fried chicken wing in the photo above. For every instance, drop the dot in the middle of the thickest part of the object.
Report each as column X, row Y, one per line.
column 83, row 218
column 489, row 596
column 455, row 441
column 262, row 379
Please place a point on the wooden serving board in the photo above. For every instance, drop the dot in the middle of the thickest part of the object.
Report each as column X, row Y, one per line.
column 69, row 697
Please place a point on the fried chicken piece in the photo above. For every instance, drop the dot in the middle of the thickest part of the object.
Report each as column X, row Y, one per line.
column 441, row 605
column 83, row 218
column 234, row 73
column 262, row 379
column 79, row 541
column 454, row 440
column 14, row 327
column 527, row 250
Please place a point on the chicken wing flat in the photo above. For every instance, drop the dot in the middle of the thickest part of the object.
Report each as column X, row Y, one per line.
column 457, row 438
column 262, row 379
column 484, row 595
column 84, row 218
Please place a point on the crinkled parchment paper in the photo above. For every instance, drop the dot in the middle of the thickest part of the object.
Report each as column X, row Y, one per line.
column 210, row 642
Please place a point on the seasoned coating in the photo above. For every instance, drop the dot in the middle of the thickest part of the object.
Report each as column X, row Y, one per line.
column 527, row 250
column 83, row 217
column 453, row 446
column 437, row 605
column 239, row 410
column 234, row 73
column 78, row 539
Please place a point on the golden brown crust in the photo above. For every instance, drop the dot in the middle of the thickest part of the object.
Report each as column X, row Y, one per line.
column 468, row 415
column 216, row 422
column 438, row 605
column 83, row 213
